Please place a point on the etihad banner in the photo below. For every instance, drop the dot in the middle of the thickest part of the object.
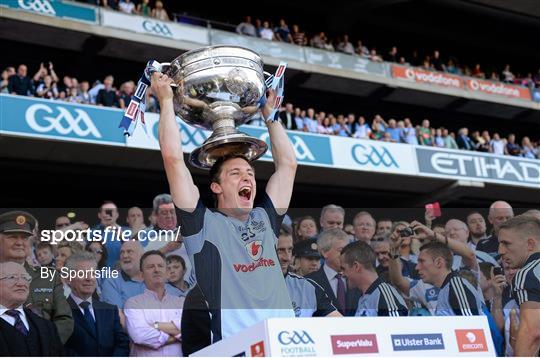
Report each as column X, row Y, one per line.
column 498, row 88
column 418, row 75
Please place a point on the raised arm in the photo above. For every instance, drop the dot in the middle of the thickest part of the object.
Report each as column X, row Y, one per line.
column 184, row 192
column 280, row 184
column 394, row 266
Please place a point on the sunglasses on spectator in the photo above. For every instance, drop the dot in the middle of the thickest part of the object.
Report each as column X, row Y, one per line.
column 375, row 239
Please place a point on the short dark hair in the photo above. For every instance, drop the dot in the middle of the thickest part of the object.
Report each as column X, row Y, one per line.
column 215, row 171
column 44, row 245
column 486, row 267
column 525, row 224
column 150, row 253
column 176, row 258
column 438, row 249
column 360, row 252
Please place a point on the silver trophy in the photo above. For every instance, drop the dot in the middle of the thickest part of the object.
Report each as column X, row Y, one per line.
column 219, row 88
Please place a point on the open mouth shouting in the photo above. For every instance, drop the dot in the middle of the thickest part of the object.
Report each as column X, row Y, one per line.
column 245, row 194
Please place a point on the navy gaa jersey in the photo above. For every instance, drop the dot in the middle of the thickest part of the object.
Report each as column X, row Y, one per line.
column 236, row 266
column 457, row 297
column 381, row 299
column 526, row 285
column 308, row 298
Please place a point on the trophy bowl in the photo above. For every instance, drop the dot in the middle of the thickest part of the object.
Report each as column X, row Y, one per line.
column 219, row 88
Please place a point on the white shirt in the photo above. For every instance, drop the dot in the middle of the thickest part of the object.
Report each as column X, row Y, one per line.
column 498, row 146
column 266, row 34
column 11, row 320
column 331, row 276
column 78, row 301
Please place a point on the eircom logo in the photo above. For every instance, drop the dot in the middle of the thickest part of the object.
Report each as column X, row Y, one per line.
column 471, row 340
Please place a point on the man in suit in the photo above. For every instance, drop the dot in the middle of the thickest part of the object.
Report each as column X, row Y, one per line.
column 329, row 277
column 22, row 332
column 46, row 297
column 97, row 330
column 287, row 117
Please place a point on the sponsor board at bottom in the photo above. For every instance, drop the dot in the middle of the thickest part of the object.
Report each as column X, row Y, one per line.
column 417, row 342
column 354, row 344
column 471, row 340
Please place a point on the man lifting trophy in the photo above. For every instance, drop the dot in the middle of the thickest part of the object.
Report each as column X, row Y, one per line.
column 236, row 265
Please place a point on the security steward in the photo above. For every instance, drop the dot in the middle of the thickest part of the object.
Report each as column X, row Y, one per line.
column 46, row 298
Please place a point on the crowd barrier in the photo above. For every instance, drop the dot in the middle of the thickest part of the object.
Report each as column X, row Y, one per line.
column 56, row 120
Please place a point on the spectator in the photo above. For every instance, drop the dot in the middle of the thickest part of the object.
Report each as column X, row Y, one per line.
column 144, row 8
column 477, row 228
column 449, row 141
column 306, row 228
column 135, row 220
column 246, row 27
column 463, row 140
column 384, row 227
column 499, row 213
column 288, row 117
column 20, row 83
column 361, row 50
column 528, row 149
column 307, row 258
column 452, row 68
column 331, row 242
column 497, row 146
column 176, row 270
column 126, row 91
column 22, row 332
column 345, row 46
column 299, row 116
column 44, row 253
column 159, row 12
column 438, row 140
column 361, row 128
column 318, row 41
column 127, row 6
column 393, row 55
column 100, row 252
column 107, row 96
column 282, row 32
column 378, row 298
column 457, row 230
column 393, row 130
column 341, row 128
column 8, row 72
column 364, row 226
column 112, row 4
column 73, row 95
column 108, row 228
column 116, row 291
column 484, row 142
column 409, row 133
column 436, row 61
column 64, row 251
column 381, row 248
column 47, row 89
column 512, row 148
column 507, row 75
column 266, row 32
column 377, row 132
column 310, row 124
column 477, row 72
column 153, row 318
column 332, row 216
column 93, row 92
column 258, row 27
column 299, row 37
column 374, row 56
column 424, row 135
column 92, row 316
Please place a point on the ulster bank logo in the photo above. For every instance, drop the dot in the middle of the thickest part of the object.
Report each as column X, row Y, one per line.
column 375, row 156
column 59, row 120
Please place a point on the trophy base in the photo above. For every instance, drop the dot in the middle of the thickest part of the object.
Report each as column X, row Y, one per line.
column 216, row 147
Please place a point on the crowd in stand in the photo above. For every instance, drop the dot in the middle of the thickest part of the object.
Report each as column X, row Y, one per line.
column 46, row 84
column 150, row 307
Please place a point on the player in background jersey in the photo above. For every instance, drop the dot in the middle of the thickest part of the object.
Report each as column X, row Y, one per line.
column 232, row 248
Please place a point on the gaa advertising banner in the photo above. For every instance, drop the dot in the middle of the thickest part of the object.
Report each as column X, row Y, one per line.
column 344, row 62
column 309, row 149
column 370, row 155
column 498, row 89
column 478, row 166
column 418, row 75
column 150, row 26
column 71, row 11
column 31, row 117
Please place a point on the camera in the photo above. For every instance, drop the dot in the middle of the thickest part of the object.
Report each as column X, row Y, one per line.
column 497, row 271
column 408, row 231
column 109, row 212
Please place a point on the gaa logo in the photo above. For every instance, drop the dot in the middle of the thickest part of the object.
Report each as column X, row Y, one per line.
column 42, row 6
column 157, row 28
column 42, row 118
column 302, row 337
column 370, row 155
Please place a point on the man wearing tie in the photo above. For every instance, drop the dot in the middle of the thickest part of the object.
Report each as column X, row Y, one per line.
column 22, row 332
column 97, row 330
column 329, row 277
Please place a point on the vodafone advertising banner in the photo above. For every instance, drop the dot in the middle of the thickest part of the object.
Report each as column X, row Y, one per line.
column 418, row 75
column 359, row 336
column 499, row 89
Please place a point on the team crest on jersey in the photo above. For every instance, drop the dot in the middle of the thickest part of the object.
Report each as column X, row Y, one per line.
column 254, row 249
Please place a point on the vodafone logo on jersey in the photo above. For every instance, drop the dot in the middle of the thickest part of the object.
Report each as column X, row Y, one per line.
column 254, row 249
column 471, row 340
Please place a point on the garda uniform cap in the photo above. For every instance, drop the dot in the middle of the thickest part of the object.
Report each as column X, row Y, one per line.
column 17, row 222
column 307, row 248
